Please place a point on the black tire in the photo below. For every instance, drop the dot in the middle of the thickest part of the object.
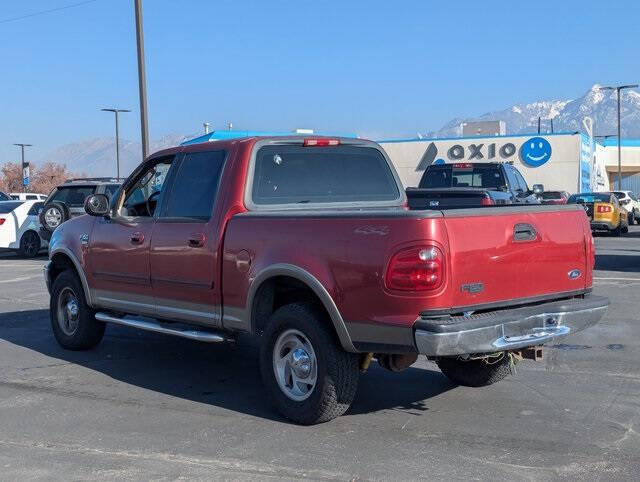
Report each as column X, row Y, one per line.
column 630, row 217
column 474, row 373
column 54, row 210
column 30, row 245
column 88, row 331
column 337, row 370
column 618, row 230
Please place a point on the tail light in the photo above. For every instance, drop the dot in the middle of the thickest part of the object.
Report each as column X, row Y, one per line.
column 321, row 142
column 487, row 201
column 604, row 208
column 2, row 221
column 420, row 268
column 463, row 165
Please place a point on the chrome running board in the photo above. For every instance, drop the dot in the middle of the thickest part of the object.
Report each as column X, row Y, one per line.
column 205, row 336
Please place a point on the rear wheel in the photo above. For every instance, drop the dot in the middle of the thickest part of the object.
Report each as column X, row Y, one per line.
column 29, row 245
column 72, row 320
column 617, row 230
column 476, row 372
column 307, row 375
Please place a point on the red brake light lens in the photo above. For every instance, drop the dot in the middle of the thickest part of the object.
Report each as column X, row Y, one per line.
column 321, row 142
column 604, row 208
column 420, row 268
column 463, row 165
column 1, row 221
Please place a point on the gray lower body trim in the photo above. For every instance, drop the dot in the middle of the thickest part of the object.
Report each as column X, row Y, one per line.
column 378, row 338
column 508, row 329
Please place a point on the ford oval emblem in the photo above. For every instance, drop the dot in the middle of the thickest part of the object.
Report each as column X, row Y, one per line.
column 574, row 274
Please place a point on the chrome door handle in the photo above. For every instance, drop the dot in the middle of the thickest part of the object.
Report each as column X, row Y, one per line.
column 196, row 240
column 137, row 238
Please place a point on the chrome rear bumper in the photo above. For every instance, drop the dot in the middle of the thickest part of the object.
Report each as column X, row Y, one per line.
column 508, row 329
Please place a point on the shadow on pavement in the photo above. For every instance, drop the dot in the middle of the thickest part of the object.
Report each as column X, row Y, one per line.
column 225, row 375
column 627, row 263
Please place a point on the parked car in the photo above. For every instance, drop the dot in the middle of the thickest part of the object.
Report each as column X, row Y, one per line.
column 554, row 197
column 27, row 196
column 260, row 236
column 604, row 211
column 67, row 200
column 19, row 227
column 630, row 203
column 469, row 184
column 4, row 197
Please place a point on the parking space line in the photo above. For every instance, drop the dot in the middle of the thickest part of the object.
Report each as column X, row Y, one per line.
column 615, row 279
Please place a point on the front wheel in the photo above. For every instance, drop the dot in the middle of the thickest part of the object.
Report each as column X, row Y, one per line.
column 476, row 372
column 307, row 375
column 72, row 320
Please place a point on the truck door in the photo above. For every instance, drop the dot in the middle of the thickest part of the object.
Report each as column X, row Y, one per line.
column 184, row 248
column 119, row 260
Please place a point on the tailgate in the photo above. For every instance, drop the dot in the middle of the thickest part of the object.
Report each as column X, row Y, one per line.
column 420, row 198
column 514, row 253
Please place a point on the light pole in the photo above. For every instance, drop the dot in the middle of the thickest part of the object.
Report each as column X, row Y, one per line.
column 115, row 111
column 22, row 146
column 142, row 81
column 619, row 88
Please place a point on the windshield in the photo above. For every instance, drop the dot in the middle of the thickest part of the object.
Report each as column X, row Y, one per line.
column 589, row 198
column 8, row 206
column 463, row 175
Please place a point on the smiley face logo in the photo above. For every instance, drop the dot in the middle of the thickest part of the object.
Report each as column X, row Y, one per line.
column 535, row 152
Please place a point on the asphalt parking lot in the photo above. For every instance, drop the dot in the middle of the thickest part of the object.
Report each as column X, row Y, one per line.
column 144, row 406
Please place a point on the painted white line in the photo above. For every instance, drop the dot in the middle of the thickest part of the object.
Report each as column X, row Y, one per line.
column 616, row 279
column 22, row 278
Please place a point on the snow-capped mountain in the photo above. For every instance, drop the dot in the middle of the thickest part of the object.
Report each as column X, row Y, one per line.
column 567, row 115
column 97, row 157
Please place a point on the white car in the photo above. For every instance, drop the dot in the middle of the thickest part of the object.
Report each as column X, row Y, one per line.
column 27, row 196
column 630, row 202
column 19, row 226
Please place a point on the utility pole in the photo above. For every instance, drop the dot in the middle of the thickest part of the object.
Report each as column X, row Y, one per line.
column 142, row 81
column 618, row 89
column 24, row 165
column 115, row 111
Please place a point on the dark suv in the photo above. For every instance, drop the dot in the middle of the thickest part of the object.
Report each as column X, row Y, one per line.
column 67, row 200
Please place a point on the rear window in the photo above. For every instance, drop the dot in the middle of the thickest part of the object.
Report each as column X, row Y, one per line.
column 110, row 190
column 589, row 198
column 4, row 197
column 72, row 196
column 8, row 206
column 445, row 176
column 620, row 195
column 551, row 195
column 293, row 174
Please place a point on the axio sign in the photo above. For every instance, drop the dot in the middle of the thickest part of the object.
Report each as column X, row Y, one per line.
column 534, row 152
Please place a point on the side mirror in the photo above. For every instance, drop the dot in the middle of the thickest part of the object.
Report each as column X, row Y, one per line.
column 96, row 205
column 538, row 189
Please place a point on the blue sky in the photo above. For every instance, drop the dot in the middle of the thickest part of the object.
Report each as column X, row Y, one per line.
column 378, row 68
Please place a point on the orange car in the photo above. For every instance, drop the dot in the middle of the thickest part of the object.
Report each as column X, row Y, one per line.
column 604, row 211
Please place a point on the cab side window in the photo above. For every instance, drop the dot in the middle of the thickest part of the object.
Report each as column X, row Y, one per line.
column 195, row 186
column 142, row 197
column 521, row 181
column 511, row 176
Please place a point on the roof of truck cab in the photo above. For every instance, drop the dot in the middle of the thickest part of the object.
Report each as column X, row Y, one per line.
column 224, row 143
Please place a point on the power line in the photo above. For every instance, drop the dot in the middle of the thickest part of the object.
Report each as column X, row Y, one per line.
column 42, row 12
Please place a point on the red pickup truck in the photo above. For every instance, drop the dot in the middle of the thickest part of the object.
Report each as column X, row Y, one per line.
column 308, row 244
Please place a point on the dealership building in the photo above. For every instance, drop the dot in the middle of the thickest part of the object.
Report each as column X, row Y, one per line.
column 566, row 161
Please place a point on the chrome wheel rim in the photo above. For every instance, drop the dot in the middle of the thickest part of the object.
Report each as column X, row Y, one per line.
column 68, row 311
column 295, row 365
column 52, row 217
